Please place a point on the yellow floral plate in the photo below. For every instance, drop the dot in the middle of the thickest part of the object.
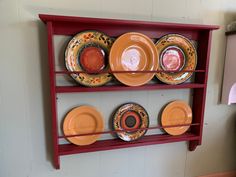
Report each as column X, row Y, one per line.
column 88, row 51
column 130, row 116
column 177, row 54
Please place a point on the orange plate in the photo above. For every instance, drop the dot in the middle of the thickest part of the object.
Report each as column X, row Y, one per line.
column 176, row 113
column 81, row 120
column 133, row 52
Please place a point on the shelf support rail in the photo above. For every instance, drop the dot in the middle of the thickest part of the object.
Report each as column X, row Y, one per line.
column 130, row 130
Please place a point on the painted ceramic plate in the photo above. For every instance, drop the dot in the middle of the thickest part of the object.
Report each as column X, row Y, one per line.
column 133, row 52
column 128, row 117
column 177, row 53
column 82, row 120
column 176, row 113
column 88, row 51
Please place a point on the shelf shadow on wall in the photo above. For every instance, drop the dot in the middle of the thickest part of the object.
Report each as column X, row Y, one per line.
column 221, row 53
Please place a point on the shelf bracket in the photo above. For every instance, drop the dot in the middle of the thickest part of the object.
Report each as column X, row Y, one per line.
column 193, row 145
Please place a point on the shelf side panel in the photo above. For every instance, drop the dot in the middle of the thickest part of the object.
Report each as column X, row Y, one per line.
column 51, row 60
column 199, row 95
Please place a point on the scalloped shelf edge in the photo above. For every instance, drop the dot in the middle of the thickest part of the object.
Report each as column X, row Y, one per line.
column 69, row 89
column 102, row 145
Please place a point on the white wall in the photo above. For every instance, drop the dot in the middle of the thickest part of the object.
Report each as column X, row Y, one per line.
column 25, row 140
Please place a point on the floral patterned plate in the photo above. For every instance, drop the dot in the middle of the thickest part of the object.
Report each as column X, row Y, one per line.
column 130, row 116
column 88, row 51
column 177, row 53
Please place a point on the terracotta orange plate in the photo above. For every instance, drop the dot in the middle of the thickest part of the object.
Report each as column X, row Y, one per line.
column 133, row 52
column 176, row 113
column 82, row 120
column 92, row 59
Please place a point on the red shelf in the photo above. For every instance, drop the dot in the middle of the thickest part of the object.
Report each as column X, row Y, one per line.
column 70, row 89
column 67, row 149
column 64, row 25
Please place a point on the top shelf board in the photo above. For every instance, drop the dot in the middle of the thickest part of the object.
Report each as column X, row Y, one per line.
column 69, row 25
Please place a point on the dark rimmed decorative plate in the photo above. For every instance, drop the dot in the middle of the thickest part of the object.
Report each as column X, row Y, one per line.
column 128, row 117
column 88, row 51
column 177, row 53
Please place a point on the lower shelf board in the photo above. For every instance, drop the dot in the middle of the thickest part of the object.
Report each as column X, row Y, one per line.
column 67, row 149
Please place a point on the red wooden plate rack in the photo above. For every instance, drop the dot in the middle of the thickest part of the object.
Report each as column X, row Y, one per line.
column 64, row 25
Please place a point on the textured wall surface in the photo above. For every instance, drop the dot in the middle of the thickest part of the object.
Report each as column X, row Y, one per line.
column 25, row 140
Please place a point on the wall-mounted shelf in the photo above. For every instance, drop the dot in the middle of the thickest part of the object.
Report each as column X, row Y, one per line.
column 64, row 25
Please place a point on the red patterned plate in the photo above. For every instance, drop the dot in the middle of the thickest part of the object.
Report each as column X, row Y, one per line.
column 177, row 53
column 88, row 51
column 128, row 117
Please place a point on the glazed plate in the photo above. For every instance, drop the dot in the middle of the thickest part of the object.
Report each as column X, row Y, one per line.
column 128, row 117
column 88, row 51
column 177, row 54
column 176, row 113
column 82, row 120
column 133, row 52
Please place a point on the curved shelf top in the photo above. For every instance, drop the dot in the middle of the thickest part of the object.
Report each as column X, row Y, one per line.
column 228, row 33
column 87, row 20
